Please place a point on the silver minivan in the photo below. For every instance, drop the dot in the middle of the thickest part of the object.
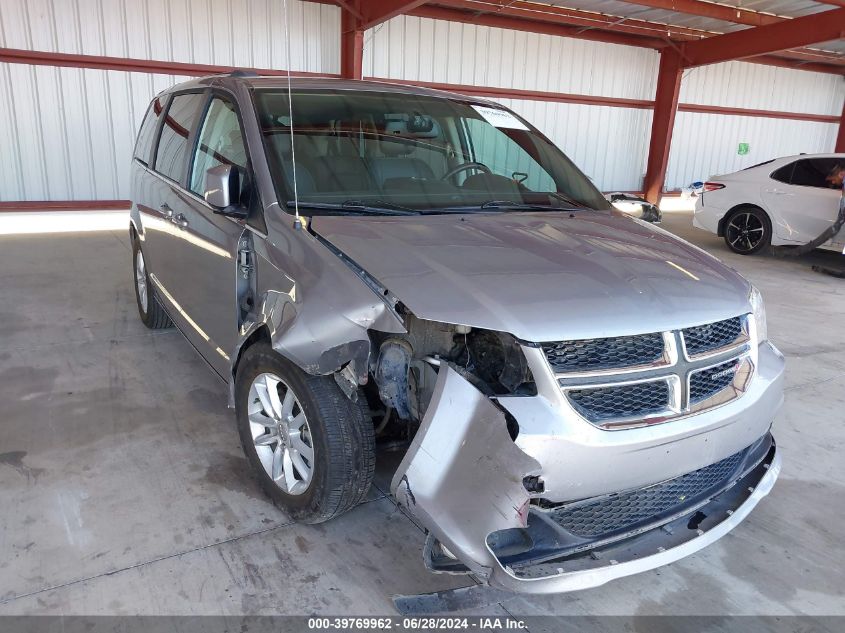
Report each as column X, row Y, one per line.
column 577, row 395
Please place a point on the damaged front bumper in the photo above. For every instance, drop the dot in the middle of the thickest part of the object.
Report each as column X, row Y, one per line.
column 463, row 479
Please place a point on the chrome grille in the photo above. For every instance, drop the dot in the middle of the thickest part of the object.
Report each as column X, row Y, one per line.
column 712, row 336
column 638, row 380
column 604, row 353
column 711, row 381
column 592, row 518
column 624, row 401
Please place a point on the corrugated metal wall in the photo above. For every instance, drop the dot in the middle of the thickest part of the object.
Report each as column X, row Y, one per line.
column 707, row 144
column 246, row 33
column 68, row 133
column 609, row 143
column 759, row 87
column 422, row 49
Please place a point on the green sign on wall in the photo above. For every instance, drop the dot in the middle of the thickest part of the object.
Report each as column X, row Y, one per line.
column 743, row 149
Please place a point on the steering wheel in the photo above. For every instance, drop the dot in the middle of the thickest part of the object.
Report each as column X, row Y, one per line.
column 463, row 167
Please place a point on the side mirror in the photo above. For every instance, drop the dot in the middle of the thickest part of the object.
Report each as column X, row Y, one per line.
column 221, row 184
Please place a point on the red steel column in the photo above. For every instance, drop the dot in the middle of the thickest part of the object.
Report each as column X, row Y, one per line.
column 840, row 137
column 351, row 46
column 665, row 106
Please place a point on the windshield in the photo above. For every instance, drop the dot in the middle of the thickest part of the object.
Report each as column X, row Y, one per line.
column 399, row 153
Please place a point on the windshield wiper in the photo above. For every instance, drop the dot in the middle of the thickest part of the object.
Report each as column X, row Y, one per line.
column 380, row 207
column 557, row 195
column 509, row 204
column 572, row 205
column 505, row 205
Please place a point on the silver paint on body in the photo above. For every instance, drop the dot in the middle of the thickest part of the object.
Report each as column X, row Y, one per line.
column 320, row 291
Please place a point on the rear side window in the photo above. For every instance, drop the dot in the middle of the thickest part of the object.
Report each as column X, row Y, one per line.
column 173, row 143
column 818, row 172
column 148, row 128
column 784, row 174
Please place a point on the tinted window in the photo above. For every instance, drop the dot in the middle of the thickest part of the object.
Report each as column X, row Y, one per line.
column 818, row 172
column 784, row 174
column 173, row 144
column 220, row 143
column 148, row 127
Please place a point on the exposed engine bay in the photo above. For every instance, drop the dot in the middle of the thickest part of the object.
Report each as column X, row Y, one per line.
column 404, row 368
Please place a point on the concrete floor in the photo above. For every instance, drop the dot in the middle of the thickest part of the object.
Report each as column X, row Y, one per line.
column 123, row 489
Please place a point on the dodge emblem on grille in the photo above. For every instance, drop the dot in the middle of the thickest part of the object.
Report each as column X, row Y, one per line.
column 724, row 372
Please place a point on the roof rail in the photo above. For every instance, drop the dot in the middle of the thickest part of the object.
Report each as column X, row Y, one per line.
column 240, row 72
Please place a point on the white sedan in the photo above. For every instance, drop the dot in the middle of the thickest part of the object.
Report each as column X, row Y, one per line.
column 785, row 201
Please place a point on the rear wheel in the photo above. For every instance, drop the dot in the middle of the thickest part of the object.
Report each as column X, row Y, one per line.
column 151, row 313
column 311, row 448
column 748, row 230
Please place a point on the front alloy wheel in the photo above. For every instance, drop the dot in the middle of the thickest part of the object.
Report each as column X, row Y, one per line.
column 311, row 448
column 280, row 433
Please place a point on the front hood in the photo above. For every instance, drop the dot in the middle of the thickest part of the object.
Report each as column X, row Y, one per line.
column 541, row 276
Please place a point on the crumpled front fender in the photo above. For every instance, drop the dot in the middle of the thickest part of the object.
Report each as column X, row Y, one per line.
column 462, row 476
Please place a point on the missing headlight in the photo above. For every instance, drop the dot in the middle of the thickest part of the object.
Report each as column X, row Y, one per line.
column 496, row 359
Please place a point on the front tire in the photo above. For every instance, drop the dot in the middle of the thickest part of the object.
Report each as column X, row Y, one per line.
column 311, row 448
column 748, row 230
column 149, row 309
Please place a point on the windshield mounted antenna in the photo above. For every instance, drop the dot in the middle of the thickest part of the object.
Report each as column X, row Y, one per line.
column 298, row 221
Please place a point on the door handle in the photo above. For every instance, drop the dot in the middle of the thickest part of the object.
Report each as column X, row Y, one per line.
column 778, row 192
column 180, row 220
column 166, row 210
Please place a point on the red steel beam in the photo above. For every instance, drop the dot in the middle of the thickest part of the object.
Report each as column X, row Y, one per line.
column 736, row 15
column 575, row 17
column 378, row 11
column 665, row 107
column 64, row 205
column 351, row 41
column 534, row 26
column 356, row 17
column 768, row 114
column 350, row 6
column 532, row 95
column 816, row 56
column 771, row 60
column 772, row 38
column 69, row 60
column 532, row 17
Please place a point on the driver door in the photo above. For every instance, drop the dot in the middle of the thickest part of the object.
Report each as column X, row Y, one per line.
column 207, row 282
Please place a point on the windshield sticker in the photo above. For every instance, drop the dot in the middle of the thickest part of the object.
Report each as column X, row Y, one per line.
column 500, row 118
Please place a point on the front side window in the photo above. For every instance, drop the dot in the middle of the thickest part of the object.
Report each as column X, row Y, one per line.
column 173, row 143
column 148, row 127
column 418, row 153
column 220, row 142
